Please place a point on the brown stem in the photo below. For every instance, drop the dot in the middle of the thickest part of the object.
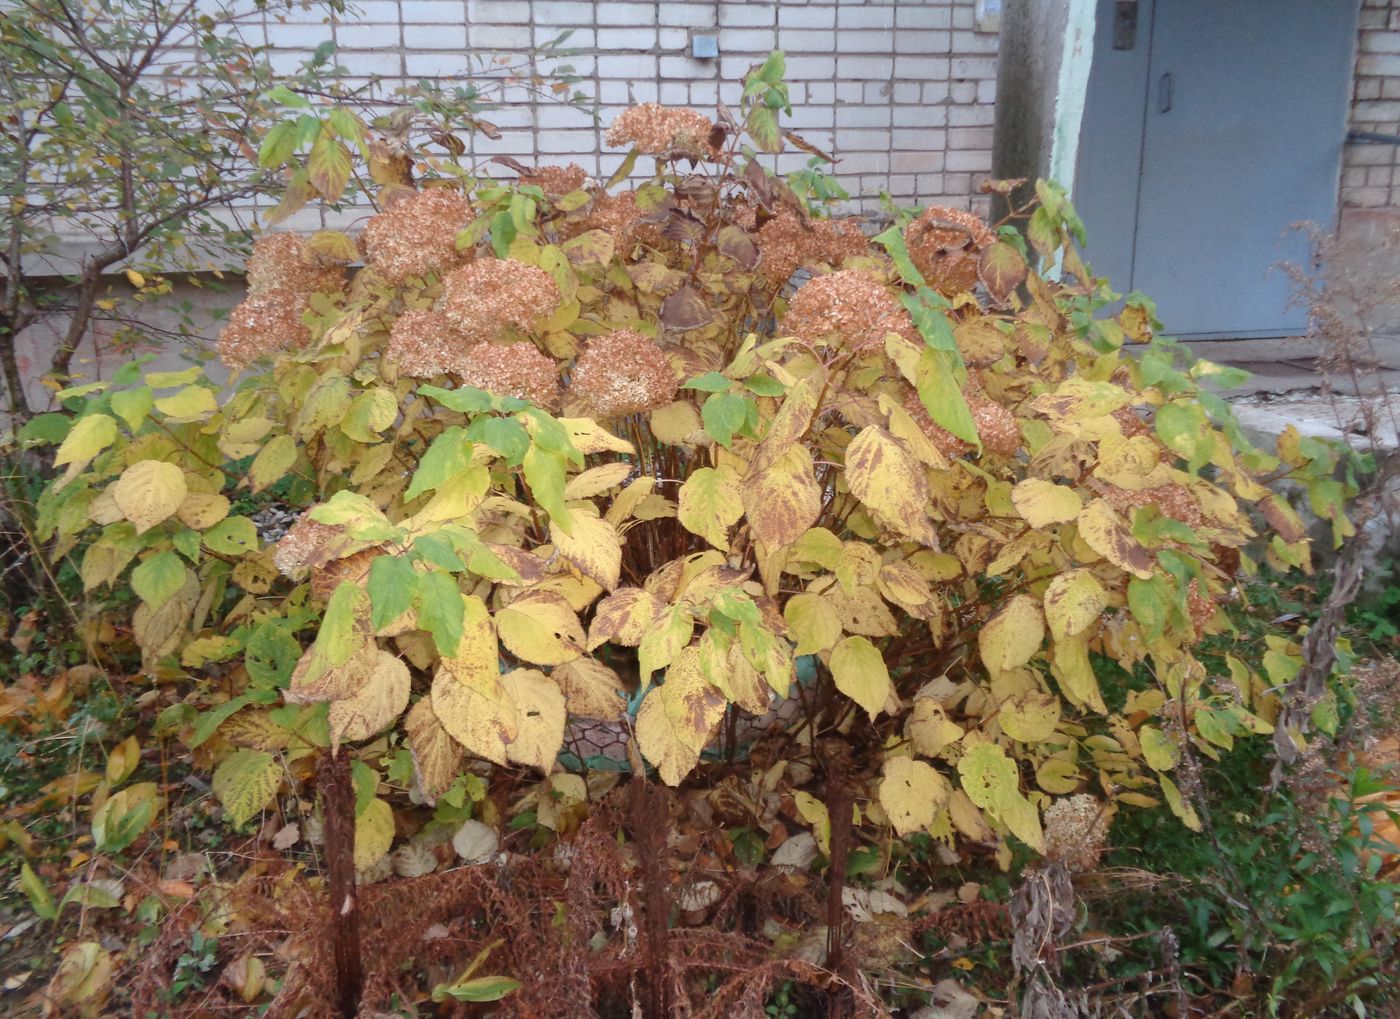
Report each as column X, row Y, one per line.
column 648, row 826
column 838, row 808
column 338, row 819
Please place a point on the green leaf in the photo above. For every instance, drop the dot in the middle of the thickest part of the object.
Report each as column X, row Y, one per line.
column 132, row 406
column 44, row 430
column 211, row 718
column 369, row 414
column 507, row 436
column 545, row 474
column 476, row 989
column 271, row 655
column 892, row 240
column 392, row 580
column 37, row 892
column 724, row 414
column 233, row 536
column 158, row 578
column 449, row 454
column 245, row 783
column 283, row 96
column 1150, row 602
column 278, row 145
column 440, row 609
column 937, row 384
column 465, row 399
column 765, row 385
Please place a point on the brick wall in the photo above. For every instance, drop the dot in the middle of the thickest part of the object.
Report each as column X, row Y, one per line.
column 1371, row 172
column 900, row 92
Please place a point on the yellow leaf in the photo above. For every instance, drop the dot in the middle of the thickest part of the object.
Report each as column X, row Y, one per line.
column 436, row 755
column 135, row 278
column 1074, row 601
column 930, row 729
column 468, row 698
column 677, row 424
column 374, row 834
column 710, row 503
column 911, row 793
column 677, row 718
column 539, row 705
column 193, row 403
column 1042, row 503
column 1157, row 748
column 588, row 436
column 891, row 483
column 626, row 502
column 1180, row 807
column 860, row 673
column 375, row 706
column 1030, row 717
column 814, row 812
column 1101, row 530
column 623, row 617
column 1070, row 665
column 791, row 421
column 597, row 480
column 814, row 623
column 1013, row 635
column 591, row 689
column 1057, row 776
column 664, row 639
column 89, row 436
column 272, row 462
column 782, row 500
column 202, row 510
column 992, row 782
column 540, row 627
column 149, row 491
column 594, row 548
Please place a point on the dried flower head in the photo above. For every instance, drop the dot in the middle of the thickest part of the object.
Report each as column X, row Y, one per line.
column 1172, row 500
column 302, row 546
column 851, row 305
column 656, row 130
column 1076, row 831
column 556, row 180
column 424, row 344
column 996, row 425
column 619, row 216
column 353, row 568
column 787, row 241
column 620, row 373
column 946, row 245
column 417, row 235
column 262, row 325
column 491, row 296
column 512, row 369
column 278, row 262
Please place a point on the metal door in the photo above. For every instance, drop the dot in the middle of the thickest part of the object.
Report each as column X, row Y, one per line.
column 1215, row 132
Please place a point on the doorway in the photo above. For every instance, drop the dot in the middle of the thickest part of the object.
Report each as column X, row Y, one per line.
column 1211, row 129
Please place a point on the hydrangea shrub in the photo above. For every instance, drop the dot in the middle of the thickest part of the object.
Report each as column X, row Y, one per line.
column 574, row 458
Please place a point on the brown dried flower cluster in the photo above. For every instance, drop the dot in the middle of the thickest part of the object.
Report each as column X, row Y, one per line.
column 280, row 283
column 854, row 306
column 424, row 344
column 996, row 425
column 512, row 369
column 620, row 373
column 619, row 216
column 278, row 262
column 417, row 235
column 946, row 245
column 787, row 241
column 1076, row 831
column 1172, row 500
column 303, row 544
column 556, row 180
column 655, row 130
column 491, row 296
column 262, row 325
column 353, row 568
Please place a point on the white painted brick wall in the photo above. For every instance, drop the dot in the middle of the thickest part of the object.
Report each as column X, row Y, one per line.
column 898, row 90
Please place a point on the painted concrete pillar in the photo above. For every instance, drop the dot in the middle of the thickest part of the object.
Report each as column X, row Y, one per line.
column 1047, row 48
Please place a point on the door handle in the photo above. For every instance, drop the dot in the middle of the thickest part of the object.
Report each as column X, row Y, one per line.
column 1164, row 93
